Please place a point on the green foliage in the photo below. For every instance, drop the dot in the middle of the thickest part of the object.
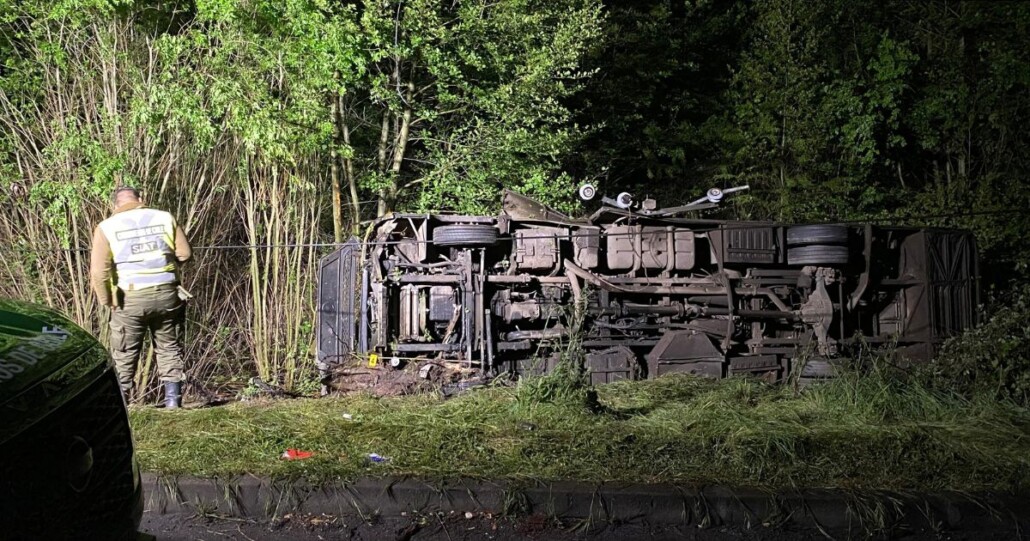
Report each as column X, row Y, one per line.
column 567, row 382
column 258, row 72
column 818, row 108
column 870, row 433
column 564, row 384
column 992, row 360
column 488, row 82
column 661, row 69
column 829, row 110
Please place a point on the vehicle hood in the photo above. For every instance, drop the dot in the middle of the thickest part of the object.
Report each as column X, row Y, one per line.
column 42, row 356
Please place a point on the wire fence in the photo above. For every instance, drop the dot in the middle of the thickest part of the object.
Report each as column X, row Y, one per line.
column 706, row 224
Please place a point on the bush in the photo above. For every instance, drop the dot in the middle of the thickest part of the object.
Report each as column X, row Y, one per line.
column 992, row 360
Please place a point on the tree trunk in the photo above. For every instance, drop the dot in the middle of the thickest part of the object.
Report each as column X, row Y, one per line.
column 403, row 132
column 384, row 140
column 348, row 170
column 334, row 173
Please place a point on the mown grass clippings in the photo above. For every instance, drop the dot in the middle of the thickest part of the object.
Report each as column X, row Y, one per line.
column 849, row 433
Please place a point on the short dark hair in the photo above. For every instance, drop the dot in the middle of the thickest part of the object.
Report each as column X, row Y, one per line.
column 122, row 189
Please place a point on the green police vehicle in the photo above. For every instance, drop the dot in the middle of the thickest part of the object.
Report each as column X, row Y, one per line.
column 67, row 469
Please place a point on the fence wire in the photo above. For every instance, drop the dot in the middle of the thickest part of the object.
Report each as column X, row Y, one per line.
column 713, row 224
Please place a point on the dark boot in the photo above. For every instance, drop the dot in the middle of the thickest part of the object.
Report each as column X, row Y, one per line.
column 173, row 394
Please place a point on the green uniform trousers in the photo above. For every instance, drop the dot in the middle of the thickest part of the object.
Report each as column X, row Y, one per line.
column 159, row 310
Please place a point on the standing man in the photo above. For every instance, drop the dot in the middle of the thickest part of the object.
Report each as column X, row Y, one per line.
column 134, row 269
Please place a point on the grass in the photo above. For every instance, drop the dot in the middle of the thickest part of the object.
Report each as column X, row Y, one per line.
column 853, row 433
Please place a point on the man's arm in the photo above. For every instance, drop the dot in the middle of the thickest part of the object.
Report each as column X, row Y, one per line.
column 101, row 266
column 183, row 250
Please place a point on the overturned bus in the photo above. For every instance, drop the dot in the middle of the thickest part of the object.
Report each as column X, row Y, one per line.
column 646, row 291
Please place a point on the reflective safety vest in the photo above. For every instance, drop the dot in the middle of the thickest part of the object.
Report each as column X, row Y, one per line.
column 142, row 246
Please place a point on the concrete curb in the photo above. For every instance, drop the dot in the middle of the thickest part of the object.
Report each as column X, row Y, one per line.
column 255, row 497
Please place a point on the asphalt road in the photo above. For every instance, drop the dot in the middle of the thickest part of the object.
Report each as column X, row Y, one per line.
column 182, row 527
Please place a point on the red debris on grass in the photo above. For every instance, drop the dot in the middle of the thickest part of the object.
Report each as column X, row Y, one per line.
column 296, row 454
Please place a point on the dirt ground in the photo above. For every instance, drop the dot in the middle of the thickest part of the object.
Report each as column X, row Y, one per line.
column 180, row 527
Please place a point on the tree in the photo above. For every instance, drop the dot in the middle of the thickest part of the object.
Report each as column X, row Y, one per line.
column 662, row 68
column 818, row 96
column 465, row 98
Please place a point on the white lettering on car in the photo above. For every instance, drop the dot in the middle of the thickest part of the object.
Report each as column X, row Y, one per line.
column 31, row 351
